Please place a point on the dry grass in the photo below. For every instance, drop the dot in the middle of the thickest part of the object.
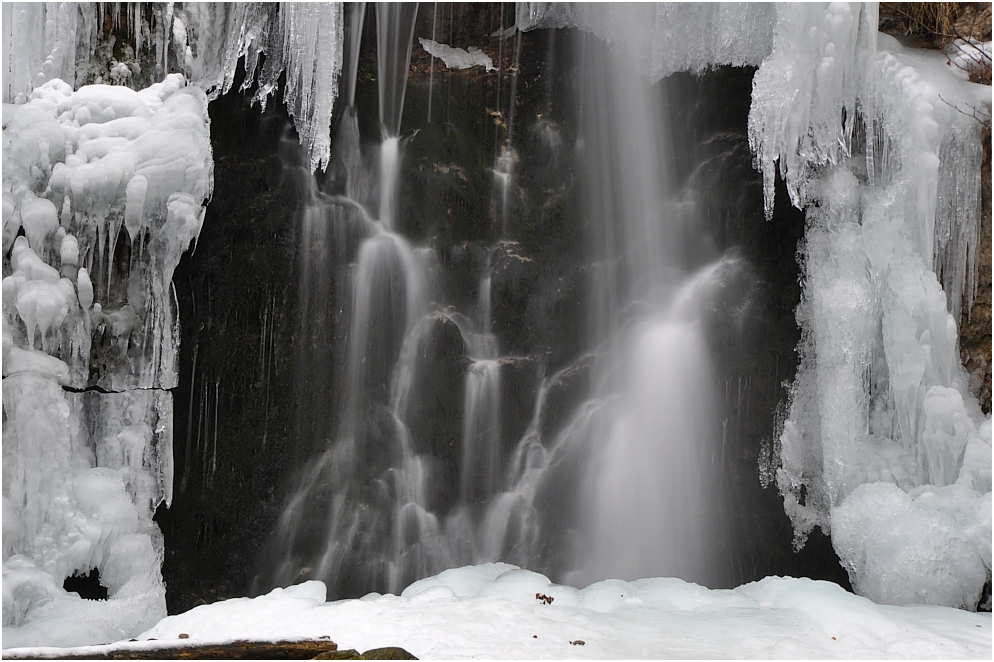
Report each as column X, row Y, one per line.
column 939, row 24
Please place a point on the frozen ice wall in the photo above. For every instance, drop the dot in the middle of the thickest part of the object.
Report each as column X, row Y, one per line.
column 103, row 190
column 301, row 39
column 40, row 43
column 884, row 446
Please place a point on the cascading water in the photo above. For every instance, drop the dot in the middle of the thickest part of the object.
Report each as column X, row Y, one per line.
column 479, row 476
column 638, row 454
column 644, row 443
column 335, row 519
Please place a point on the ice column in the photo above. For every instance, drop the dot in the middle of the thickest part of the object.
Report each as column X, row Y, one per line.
column 883, row 446
column 40, row 43
column 103, row 190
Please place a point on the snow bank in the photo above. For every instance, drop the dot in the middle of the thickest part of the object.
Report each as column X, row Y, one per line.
column 503, row 612
column 103, row 190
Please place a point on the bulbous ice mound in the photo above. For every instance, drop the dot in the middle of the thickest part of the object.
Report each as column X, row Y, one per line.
column 108, row 186
column 103, row 190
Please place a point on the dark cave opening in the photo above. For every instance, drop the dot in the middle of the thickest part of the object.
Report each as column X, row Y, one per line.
column 88, row 586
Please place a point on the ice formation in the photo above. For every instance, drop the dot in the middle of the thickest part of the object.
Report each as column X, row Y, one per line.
column 457, row 58
column 301, row 39
column 666, row 37
column 884, row 445
column 42, row 41
column 103, row 190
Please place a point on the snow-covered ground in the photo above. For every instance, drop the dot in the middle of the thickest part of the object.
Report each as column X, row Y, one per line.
column 499, row 611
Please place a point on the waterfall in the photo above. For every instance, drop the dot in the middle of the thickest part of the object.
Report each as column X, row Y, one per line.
column 394, row 36
column 506, row 330
column 646, row 505
column 640, row 451
column 334, row 520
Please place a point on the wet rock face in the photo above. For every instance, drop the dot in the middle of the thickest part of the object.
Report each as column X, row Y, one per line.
column 518, row 386
column 514, row 281
column 435, row 410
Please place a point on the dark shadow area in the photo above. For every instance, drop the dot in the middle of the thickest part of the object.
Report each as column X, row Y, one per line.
column 88, row 586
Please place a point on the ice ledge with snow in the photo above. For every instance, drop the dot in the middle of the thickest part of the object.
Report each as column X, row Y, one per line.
column 500, row 611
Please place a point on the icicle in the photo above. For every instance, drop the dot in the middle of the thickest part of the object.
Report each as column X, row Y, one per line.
column 312, row 33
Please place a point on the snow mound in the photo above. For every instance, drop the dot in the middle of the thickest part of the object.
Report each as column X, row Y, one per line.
column 500, row 611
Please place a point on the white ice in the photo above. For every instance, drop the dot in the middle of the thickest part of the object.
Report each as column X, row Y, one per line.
column 497, row 611
column 44, row 41
column 884, row 445
column 457, row 58
column 84, row 471
column 670, row 36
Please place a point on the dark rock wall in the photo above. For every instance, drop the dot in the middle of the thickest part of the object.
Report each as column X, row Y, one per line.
column 233, row 409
